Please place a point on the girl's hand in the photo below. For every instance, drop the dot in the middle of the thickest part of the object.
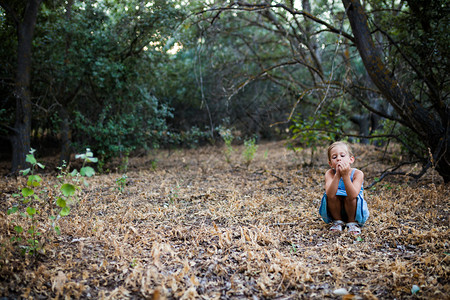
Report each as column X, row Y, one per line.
column 344, row 168
column 337, row 171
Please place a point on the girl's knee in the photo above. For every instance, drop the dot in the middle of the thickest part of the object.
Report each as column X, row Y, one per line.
column 351, row 200
column 333, row 199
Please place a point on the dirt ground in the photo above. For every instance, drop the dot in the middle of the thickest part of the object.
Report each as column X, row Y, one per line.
column 189, row 225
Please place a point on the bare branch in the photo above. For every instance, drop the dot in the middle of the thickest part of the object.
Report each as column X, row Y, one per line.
column 265, row 71
column 391, row 172
column 367, row 106
column 256, row 7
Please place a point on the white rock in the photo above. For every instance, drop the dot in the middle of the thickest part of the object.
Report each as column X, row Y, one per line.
column 340, row 292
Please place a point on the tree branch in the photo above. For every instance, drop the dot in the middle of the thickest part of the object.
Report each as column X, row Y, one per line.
column 255, row 7
column 264, row 73
column 392, row 172
column 370, row 108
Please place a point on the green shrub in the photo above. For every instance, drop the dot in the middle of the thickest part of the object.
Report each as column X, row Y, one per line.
column 315, row 131
column 36, row 204
column 227, row 136
column 250, row 149
column 122, row 127
column 121, row 183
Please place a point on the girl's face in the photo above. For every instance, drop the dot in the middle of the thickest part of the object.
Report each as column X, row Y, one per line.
column 339, row 154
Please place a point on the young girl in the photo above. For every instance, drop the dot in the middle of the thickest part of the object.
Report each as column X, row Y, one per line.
column 343, row 200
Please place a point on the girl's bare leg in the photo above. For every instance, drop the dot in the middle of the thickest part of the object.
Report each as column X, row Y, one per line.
column 350, row 208
column 334, row 205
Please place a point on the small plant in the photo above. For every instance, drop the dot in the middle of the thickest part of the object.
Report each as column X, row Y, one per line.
column 174, row 194
column 228, row 138
column 249, row 151
column 133, row 263
column 87, row 157
column 28, row 197
column 293, row 248
column 121, row 183
column 154, row 164
column 37, row 210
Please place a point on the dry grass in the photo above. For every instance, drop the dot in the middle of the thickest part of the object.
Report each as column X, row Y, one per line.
column 198, row 228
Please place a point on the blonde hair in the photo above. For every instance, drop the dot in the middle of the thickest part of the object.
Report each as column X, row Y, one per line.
column 339, row 143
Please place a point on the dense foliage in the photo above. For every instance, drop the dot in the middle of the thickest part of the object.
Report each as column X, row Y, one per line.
column 102, row 71
column 120, row 76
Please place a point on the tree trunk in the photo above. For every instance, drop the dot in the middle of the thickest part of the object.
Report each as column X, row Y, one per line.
column 65, row 122
column 65, row 137
column 22, row 128
column 363, row 122
column 427, row 124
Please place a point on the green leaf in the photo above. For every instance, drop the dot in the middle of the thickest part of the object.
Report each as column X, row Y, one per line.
column 87, row 171
column 32, row 242
column 31, row 211
column 85, row 183
column 92, row 159
column 58, row 231
column 30, row 159
column 27, row 192
column 12, row 210
column 74, row 173
column 34, row 180
column 52, row 217
column 61, row 202
column 65, row 211
column 40, row 165
column 25, row 172
column 68, row 189
column 18, row 229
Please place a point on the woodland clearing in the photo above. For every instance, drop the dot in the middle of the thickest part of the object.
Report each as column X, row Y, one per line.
column 192, row 226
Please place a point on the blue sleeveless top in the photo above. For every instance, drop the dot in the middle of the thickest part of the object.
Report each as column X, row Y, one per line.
column 341, row 187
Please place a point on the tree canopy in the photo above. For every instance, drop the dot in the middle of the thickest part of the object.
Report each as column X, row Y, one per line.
column 120, row 76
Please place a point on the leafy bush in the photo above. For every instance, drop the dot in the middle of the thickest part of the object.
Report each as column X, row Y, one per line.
column 315, row 131
column 116, row 131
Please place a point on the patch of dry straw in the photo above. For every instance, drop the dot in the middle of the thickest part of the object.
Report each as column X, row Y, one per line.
column 199, row 228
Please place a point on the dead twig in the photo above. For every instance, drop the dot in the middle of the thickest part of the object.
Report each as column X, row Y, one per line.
column 392, row 172
column 284, row 224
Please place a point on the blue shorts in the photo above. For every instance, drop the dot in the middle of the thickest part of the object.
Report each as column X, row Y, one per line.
column 362, row 211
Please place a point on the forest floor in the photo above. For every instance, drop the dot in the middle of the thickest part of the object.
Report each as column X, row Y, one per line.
column 189, row 225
